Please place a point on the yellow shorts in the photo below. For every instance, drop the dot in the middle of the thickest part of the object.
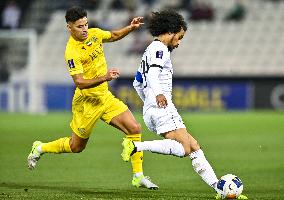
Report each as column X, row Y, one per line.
column 87, row 110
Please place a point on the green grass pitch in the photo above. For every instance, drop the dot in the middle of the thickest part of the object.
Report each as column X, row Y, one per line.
column 248, row 144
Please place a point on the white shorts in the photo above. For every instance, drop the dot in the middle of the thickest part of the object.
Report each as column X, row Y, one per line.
column 162, row 120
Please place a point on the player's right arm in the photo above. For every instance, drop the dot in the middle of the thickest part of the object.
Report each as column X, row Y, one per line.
column 83, row 83
column 153, row 81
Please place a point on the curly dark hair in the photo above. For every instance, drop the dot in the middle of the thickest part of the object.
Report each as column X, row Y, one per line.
column 166, row 21
column 75, row 13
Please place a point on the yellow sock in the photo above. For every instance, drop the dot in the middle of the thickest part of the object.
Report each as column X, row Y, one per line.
column 58, row 146
column 137, row 158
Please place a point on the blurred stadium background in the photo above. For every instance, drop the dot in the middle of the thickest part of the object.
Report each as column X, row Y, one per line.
column 230, row 59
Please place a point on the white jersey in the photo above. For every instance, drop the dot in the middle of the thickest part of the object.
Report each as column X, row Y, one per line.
column 154, row 77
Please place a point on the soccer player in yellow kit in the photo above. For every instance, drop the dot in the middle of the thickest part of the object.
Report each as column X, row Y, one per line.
column 92, row 100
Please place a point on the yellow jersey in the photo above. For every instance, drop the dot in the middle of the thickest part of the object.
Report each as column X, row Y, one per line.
column 88, row 58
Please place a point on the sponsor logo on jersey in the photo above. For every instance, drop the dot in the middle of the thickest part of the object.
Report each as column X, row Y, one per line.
column 96, row 53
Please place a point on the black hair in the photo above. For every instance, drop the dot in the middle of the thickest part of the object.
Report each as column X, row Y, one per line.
column 75, row 13
column 166, row 21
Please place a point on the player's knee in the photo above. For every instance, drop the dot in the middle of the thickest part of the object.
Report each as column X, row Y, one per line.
column 194, row 146
column 191, row 147
column 77, row 148
column 187, row 150
column 135, row 128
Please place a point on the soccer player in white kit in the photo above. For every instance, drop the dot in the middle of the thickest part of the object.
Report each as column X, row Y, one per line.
column 153, row 83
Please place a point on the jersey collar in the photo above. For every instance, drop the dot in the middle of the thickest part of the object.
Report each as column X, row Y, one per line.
column 169, row 48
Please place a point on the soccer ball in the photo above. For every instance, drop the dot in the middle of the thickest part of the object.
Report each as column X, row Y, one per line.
column 229, row 186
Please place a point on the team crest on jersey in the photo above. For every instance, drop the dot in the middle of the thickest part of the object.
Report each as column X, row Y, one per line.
column 90, row 41
column 159, row 54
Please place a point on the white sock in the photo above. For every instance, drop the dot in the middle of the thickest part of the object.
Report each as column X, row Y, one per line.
column 166, row 146
column 138, row 174
column 39, row 149
column 203, row 168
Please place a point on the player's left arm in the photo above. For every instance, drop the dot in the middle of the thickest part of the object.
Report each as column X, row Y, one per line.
column 120, row 33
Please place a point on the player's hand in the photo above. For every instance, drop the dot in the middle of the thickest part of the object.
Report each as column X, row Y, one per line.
column 136, row 22
column 112, row 73
column 161, row 101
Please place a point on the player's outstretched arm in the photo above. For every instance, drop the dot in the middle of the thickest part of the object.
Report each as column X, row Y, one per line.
column 83, row 83
column 120, row 33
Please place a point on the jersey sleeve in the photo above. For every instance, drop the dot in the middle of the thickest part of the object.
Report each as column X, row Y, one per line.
column 158, row 56
column 74, row 63
column 105, row 35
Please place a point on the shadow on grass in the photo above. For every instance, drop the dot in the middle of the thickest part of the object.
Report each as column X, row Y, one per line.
column 30, row 191
column 44, row 191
